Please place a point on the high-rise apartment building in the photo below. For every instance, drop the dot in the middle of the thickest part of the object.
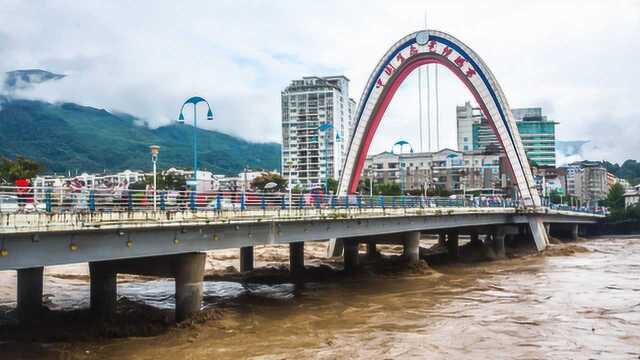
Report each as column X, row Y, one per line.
column 536, row 131
column 317, row 116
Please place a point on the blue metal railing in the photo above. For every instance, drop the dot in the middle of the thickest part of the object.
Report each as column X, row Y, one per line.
column 60, row 199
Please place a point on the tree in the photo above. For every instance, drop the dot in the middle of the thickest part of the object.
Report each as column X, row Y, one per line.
column 265, row 178
column 333, row 185
column 167, row 181
column 615, row 202
column 20, row 168
column 615, row 197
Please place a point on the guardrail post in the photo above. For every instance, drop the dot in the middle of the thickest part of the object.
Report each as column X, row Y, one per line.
column 163, row 206
column 218, row 201
column 263, row 203
column 192, row 200
column 316, row 200
column 382, row 202
column 301, row 201
column 333, row 201
column 242, row 202
column 359, row 201
column 346, row 202
column 129, row 201
column 282, row 203
column 393, row 202
column 92, row 200
column 47, row 200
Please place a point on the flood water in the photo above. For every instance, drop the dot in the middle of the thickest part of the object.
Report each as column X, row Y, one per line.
column 582, row 306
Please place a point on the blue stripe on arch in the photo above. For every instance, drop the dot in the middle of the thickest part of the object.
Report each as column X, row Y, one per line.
column 459, row 50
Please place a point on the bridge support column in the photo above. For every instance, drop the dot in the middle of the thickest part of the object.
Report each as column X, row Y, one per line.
column 411, row 247
column 189, row 272
column 296, row 257
column 538, row 232
column 30, row 294
column 452, row 244
column 103, row 289
column 475, row 239
column 246, row 258
column 350, row 255
column 498, row 244
column 372, row 251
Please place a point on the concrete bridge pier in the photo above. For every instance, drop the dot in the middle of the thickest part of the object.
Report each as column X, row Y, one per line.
column 452, row 244
column 187, row 270
column 411, row 247
column 351, row 256
column 498, row 243
column 564, row 231
column 103, row 289
column 372, row 250
column 246, row 258
column 30, row 294
column 296, row 257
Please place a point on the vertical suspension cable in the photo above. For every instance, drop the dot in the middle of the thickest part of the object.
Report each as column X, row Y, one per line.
column 437, row 113
column 428, row 110
column 420, row 107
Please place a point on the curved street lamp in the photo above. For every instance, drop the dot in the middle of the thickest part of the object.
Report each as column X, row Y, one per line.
column 401, row 144
column 195, row 100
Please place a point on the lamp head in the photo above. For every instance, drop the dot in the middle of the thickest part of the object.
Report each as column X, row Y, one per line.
column 155, row 149
column 209, row 114
column 181, row 118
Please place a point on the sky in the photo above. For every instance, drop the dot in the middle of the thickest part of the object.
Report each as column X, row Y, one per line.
column 578, row 60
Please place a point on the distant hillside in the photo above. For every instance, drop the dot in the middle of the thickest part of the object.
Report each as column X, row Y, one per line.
column 66, row 137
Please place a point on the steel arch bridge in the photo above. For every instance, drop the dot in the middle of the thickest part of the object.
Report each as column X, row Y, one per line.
column 428, row 47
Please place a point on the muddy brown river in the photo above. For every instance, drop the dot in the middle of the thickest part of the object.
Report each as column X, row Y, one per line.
column 574, row 305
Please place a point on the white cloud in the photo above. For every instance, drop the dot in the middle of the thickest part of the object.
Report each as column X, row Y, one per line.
column 576, row 58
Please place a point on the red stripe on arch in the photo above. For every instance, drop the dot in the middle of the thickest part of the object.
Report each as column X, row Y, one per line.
column 391, row 89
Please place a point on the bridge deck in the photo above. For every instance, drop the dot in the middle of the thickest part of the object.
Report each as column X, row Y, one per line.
column 30, row 240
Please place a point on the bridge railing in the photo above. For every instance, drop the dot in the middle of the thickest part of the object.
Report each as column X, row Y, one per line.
column 66, row 199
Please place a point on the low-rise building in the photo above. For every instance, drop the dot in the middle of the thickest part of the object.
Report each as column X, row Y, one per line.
column 591, row 183
column 632, row 196
column 448, row 169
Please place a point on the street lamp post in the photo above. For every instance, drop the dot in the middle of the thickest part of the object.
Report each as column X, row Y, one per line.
column 370, row 181
column 195, row 100
column 155, row 149
column 289, row 184
column 401, row 144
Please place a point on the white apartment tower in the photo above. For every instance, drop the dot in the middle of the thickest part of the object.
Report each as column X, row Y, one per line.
column 317, row 116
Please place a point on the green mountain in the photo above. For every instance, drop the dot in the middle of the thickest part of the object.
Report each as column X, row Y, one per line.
column 69, row 137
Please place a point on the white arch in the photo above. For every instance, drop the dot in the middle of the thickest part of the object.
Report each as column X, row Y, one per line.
column 404, row 56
